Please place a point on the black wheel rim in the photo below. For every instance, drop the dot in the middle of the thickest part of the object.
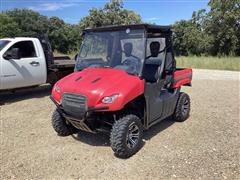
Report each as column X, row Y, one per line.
column 132, row 135
column 185, row 107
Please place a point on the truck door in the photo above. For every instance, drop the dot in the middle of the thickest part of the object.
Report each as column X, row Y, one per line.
column 25, row 71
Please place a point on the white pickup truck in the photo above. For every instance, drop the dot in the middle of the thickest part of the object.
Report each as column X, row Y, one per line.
column 26, row 62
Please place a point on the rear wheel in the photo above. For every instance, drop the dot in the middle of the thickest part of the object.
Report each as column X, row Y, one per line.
column 126, row 136
column 182, row 108
column 60, row 126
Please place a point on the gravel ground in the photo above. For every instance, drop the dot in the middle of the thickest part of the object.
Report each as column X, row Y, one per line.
column 206, row 146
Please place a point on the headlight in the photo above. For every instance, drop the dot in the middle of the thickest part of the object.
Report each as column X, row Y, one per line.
column 109, row 99
column 57, row 88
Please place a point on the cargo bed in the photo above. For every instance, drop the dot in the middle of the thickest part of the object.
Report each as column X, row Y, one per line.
column 65, row 63
column 182, row 77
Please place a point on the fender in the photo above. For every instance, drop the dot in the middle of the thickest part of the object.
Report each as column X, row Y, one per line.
column 127, row 91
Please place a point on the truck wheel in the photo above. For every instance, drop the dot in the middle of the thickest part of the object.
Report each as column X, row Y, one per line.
column 126, row 136
column 60, row 126
column 182, row 108
column 52, row 78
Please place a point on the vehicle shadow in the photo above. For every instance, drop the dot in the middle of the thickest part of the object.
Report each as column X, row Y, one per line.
column 7, row 97
column 158, row 128
column 99, row 139
column 102, row 139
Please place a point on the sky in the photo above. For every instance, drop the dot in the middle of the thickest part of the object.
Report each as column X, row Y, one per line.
column 162, row 12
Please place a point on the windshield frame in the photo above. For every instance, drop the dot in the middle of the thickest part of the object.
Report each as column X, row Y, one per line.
column 145, row 53
column 143, row 42
column 145, row 37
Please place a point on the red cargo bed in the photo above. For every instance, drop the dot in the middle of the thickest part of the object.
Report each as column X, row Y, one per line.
column 182, row 77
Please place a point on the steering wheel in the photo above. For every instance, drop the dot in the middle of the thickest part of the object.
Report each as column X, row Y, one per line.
column 134, row 63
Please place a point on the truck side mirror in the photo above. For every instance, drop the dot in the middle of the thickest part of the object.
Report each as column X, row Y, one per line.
column 14, row 53
column 75, row 57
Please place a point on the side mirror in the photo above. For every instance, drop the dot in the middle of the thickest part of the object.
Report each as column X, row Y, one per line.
column 14, row 53
column 75, row 57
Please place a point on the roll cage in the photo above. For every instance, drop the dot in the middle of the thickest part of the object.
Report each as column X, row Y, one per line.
column 168, row 64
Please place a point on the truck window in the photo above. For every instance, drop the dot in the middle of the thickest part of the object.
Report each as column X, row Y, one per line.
column 3, row 43
column 26, row 49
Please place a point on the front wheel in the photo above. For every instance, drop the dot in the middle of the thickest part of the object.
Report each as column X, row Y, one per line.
column 182, row 109
column 126, row 136
column 60, row 126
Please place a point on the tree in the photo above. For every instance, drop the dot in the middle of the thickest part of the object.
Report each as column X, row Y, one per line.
column 189, row 36
column 8, row 28
column 222, row 23
column 23, row 22
column 216, row 32
column 31, row 23
column 113, row 13
column 179, row 42
column 57, row 34
column 213, row 32
column 64, row 37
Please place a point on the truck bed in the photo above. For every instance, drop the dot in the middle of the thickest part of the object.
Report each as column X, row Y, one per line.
column 60, row 68
column 64, row 63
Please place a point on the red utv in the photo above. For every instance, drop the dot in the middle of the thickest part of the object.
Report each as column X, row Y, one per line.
column 125, row 81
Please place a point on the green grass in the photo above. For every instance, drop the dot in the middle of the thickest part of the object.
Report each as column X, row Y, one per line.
column 71, row 55
column 223, row 63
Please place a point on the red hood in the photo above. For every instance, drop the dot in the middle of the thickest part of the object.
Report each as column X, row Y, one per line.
column 96, row 83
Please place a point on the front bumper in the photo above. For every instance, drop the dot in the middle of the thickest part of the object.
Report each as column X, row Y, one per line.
column 78, row 120
column 90, row 109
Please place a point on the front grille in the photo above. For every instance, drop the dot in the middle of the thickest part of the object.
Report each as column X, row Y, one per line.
column 74, row 104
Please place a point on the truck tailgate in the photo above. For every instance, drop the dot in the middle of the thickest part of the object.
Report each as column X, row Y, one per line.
column 182, row 77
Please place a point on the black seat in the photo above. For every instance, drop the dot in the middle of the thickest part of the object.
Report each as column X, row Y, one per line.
column 151, row 70
column 152, row 64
